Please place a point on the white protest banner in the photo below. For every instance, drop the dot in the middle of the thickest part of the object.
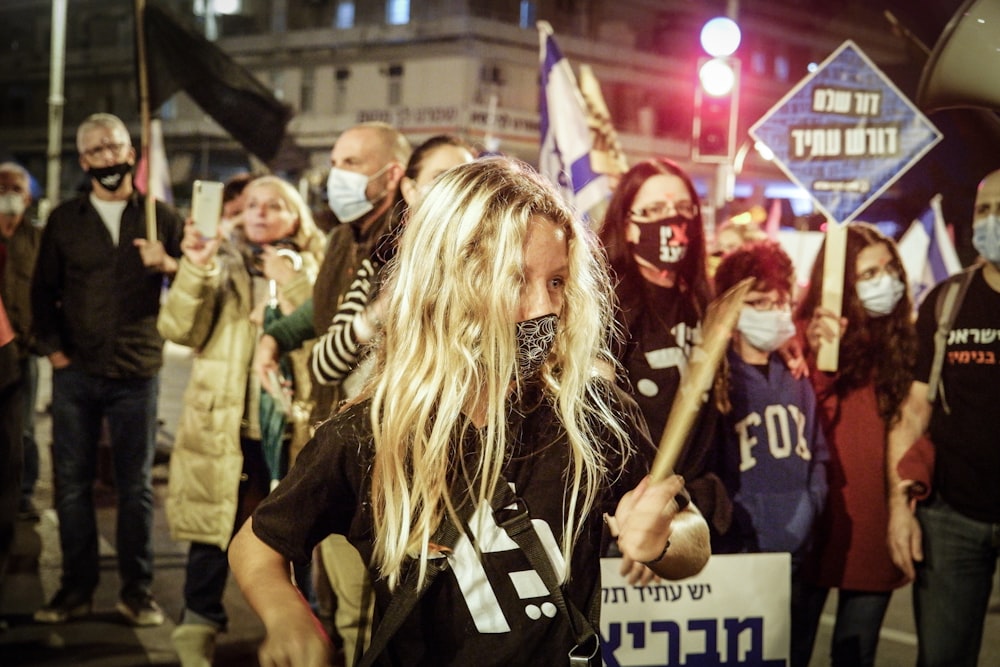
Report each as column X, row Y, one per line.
column 734, row 612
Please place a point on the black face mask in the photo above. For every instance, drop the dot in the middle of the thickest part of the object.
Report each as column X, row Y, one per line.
column 111, row 177
column 663, row 243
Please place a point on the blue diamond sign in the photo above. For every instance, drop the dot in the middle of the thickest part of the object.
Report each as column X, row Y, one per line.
column 845, row 133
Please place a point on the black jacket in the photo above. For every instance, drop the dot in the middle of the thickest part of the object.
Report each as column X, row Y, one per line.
column 96, row 301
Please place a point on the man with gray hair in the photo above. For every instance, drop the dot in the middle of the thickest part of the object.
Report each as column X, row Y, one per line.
column 95, row 300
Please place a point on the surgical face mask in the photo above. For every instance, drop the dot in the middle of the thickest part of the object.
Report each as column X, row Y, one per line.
column 345, row 192
column 11, row 203
column 986, row 238
column 111, row 177
column 765, row 330
column 879, row 295
column 535, row 338
column 663, row 243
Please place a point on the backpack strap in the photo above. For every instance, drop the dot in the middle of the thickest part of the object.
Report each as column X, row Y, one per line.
column 946, row 307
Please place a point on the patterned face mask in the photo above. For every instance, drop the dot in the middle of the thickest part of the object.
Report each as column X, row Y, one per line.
column 535, row 338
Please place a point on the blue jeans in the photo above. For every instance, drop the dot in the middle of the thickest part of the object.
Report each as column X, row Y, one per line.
column 856, row 632
column 29, row 375
column 79, row 403
column 952, row 589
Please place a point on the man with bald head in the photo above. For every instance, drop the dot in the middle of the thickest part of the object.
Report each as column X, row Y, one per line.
column 949, row 543
column 367, row 163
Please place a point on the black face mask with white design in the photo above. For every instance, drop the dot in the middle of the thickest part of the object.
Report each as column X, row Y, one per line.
column 535, row 338
column 111, row 177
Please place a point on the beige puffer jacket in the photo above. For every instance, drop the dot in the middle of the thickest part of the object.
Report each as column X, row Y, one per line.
column 209, row 309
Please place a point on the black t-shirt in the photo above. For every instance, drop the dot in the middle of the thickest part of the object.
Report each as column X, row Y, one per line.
column 966, row 442
column 488, row 610
column 656, row 355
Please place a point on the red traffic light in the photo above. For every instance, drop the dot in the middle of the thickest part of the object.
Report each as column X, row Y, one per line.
column 716, row 105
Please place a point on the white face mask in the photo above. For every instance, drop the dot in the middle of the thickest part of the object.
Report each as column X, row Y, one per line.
column 765, row 330
column 879, row 295
column 986, row 238
column 11, row 203
column 345, row 192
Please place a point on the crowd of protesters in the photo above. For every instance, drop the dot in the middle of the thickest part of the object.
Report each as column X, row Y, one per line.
column 462, row 343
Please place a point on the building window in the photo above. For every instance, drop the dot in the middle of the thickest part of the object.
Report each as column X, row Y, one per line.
column 395, row 85
column 397, row 12
column 528, row 13
column 307, row 93
column 345, row 14
column 340, row 90
column 781, row 68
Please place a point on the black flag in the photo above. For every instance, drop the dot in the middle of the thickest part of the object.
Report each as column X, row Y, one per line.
column 179, row 59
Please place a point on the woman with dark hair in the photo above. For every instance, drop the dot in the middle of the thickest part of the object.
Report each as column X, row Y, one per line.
column 859, row 404
column 655, row 243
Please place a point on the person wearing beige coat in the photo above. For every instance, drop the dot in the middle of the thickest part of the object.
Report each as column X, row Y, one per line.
column 215, row 306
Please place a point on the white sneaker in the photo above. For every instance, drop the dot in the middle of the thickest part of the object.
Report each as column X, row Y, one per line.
column 195, row 644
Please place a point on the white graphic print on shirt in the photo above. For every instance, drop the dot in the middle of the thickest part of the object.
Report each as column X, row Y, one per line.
column 483, row 595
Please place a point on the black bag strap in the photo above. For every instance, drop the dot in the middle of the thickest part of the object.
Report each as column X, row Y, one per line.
column 408, row 593
column 518, row 527
column 949, row 302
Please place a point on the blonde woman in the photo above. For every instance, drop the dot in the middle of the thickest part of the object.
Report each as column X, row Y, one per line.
column 484, row 388
column 215, row 305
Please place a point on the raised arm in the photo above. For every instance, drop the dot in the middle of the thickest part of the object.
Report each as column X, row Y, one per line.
column 294, row 635
column 904, row 536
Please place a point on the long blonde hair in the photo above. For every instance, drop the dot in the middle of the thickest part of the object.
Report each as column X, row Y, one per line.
column 449, row 346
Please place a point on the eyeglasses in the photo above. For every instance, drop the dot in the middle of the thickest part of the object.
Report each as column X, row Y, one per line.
column 892, row 268
column 766, row 303
column 96, row 151
column 658, row 210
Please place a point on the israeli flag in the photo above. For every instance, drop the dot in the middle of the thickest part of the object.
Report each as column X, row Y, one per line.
column 566, row 140
column 927, row 251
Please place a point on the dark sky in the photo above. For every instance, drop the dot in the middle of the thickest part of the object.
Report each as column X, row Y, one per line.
column 971, row 145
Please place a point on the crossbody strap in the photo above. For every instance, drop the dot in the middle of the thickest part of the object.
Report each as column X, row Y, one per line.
column 518, row 527
column 406, row 596
column 516, row 522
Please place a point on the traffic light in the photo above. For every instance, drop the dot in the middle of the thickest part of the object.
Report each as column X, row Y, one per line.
column 716, row 103
column 716, row 97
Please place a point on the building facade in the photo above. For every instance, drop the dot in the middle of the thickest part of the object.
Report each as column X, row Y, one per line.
column 427, row 66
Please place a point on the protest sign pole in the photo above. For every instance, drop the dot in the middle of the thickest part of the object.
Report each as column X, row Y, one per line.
column 832, row 293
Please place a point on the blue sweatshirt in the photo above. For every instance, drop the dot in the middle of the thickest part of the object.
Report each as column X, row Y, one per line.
column 775, row 456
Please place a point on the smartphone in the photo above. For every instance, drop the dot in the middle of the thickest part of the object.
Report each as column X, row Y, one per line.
column 206, row 207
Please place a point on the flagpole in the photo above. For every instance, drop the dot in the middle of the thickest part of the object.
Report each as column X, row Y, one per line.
column 56, row 105
column 140, row 39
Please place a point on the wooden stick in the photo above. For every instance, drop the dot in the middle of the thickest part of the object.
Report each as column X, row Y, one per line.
column 834, row 257
column 144, row 115
column 717, row 328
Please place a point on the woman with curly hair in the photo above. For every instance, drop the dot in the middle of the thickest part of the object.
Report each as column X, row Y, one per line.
column 860, row 402
column 484, row 398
